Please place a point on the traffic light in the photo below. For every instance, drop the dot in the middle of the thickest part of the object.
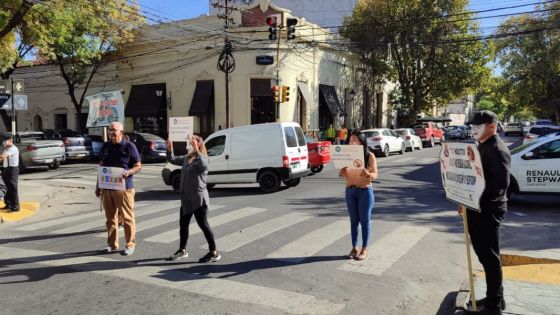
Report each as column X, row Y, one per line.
column 275, row 93
column 272, row 30
column 285, row 93
column 291, row 24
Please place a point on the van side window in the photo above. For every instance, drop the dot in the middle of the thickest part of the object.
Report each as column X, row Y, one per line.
column 300, row 137
column 216, row 146
column 290, row 135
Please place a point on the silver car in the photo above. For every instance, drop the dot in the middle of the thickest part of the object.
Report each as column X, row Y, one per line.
column 35, row 150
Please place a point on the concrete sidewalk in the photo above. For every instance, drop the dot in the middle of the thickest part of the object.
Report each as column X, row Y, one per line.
column 31, row 195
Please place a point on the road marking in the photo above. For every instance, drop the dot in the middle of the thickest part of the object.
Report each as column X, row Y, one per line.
column 237, row 239
column 283, row 300
column 173, row 235
column 401, row 160
column 100, row 222
column 427, row 160
column 388, row 250
column 311, row 243
column 92, row 182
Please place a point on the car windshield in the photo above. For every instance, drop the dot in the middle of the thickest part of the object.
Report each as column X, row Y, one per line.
column 151, row 137
column 541, row 131
column 308, row 139
column 420, row 126
column 32, row 136
column 401, row 132
column 526, row 145
column 371, row 133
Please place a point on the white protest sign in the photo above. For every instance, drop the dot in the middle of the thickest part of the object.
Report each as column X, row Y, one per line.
column 111, row 178
column 462, row 174
column 181, row 128
column 104, row 108
column 351, row 156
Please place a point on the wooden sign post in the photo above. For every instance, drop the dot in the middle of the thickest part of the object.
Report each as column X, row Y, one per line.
column 464, row 210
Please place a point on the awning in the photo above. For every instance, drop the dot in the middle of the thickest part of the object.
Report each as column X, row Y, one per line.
column 261, row 87
column 328, row 93
column 202, row 98
column 146, row 100
column 305, row 93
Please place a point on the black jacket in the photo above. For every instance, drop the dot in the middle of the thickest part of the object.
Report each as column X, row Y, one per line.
column 496, row 162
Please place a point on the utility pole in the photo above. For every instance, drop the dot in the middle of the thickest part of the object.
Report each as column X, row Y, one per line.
column 13, row 108
column 226, row 62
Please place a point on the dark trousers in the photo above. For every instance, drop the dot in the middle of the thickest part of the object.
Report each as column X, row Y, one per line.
column 201, row 216
column 484, row 231
column 10, row 176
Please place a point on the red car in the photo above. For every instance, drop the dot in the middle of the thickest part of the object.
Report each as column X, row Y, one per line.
column 429, row 132
column 319, row 153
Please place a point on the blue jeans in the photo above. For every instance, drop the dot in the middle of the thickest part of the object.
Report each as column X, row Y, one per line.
column 360, row 204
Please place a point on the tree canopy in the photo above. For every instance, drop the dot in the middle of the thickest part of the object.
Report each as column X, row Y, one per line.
column 434, row 56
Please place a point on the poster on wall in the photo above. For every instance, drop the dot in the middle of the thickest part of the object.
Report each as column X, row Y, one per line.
column 462, row 174
column 105, row 108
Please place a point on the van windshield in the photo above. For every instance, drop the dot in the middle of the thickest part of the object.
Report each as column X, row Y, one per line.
column 290, row 135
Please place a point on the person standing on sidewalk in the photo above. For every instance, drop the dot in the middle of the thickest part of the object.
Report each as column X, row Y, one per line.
column 331, row 133
column 342, row 134
column 123, row 154
column 194, row 197
column 10, row 173
column 359, row 196
column 484, row 226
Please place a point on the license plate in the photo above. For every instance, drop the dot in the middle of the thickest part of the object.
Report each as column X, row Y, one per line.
column 162, row 154
column 48, row 161
column 295, row 166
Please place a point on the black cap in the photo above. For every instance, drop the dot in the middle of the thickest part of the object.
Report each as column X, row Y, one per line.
column 484, row 117
column 7, row 136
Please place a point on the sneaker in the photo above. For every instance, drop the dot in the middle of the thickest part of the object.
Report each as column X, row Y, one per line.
column 210, row 257
column 128, row 251
column 106, row 250
column 181, row 253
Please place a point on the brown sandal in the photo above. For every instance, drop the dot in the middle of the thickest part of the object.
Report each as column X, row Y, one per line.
column 363, row 254
column 353, row 253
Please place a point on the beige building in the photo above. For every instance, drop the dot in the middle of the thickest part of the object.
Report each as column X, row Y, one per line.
column 171, row 70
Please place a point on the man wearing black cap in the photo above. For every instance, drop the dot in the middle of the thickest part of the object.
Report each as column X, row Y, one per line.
column 484, row 226
column 10, row 172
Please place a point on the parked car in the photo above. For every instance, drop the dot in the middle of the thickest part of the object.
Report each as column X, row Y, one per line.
column 383, row 141
column 534, row 166
column 458, row 132
column 96, row 144
column 36, row 150
column 513, row 128
column 537, row 131
column 319, row 153
column 77, row 147
column 430, row 133
column 152, row 148
column 267, row 154
column 411, row 140
column 526, row 126
column 544, row 122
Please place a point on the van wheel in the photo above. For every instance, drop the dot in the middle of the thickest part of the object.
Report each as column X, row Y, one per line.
column 176, row 181
column 269, row 182
column 403, row 148
column 292, row 182
column 317, row 169
column 54, row 165
column 386, row 151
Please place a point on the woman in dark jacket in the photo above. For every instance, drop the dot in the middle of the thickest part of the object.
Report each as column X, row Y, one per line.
column 194, row 197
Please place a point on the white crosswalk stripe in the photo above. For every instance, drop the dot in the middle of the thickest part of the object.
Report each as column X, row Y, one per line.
column 312, row 242
column 173, row 235
column 428, row 160
column 283, row 300
column 235, row 240
column 388, row 250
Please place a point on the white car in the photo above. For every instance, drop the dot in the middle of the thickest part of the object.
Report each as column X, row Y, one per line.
column 535, row 166
column 411, row 140
column 513, row 127
column 538, row 131
column 383, row 141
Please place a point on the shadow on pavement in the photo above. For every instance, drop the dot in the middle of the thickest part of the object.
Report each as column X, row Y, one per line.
column 448, row 304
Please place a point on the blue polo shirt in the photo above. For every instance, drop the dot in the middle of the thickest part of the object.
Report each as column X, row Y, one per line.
column 123, row 154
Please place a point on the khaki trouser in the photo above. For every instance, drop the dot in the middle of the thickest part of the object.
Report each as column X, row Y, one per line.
column 118, row 202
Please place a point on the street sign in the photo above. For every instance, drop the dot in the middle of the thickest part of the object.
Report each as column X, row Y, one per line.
column 5, row 86
column 20, row 102
column 265, row 60
column 18, row 86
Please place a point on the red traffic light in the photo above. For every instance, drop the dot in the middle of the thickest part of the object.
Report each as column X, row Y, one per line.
column 271, row 20
column 275, row 88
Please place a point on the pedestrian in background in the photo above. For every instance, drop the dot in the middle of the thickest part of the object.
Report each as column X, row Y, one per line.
column 359, row 196
column 484, row 226
column 120, row 153
column 342, row 134
column 331, row 133
column 10, row 173
column 194, row 197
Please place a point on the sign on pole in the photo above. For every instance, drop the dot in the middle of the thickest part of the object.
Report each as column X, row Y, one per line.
column 20, row 102
column 18, row 86
column 462, row 174
column 111, row 178
column 105, row 108
column 350, row 156
column 181, row 128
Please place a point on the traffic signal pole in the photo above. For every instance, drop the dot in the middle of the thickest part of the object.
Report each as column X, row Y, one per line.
column 277, row 104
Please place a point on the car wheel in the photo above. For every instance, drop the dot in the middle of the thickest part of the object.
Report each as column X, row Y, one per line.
column 317, row 169
column 403, row 148
column 54, row 165
column 386, row 151
column 420, row 146
column 176, row 181
column 22, row 167
column 269, row 181
column 292, row 182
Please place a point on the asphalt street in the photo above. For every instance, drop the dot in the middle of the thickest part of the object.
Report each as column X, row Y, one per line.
column 282, row 253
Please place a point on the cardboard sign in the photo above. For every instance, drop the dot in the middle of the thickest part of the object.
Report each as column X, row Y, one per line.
column 105, row 108
column 351, row 156
column 462, row 174
column 181, row 128
column 111, row 178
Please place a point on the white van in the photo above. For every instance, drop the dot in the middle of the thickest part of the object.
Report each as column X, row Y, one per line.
column 268, row 154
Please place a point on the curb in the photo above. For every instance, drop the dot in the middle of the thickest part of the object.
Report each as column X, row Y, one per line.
column 28, row 208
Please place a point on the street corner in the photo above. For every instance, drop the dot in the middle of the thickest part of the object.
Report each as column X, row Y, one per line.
column 531, row 269
column 26, row 209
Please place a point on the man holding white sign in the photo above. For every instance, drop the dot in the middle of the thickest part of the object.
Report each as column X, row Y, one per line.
column 119, row 161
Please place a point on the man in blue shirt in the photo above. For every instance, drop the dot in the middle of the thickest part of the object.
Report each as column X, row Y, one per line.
column 122, row 154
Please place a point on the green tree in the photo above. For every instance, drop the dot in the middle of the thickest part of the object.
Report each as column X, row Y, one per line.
column 431, row 59
column 531, row 59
